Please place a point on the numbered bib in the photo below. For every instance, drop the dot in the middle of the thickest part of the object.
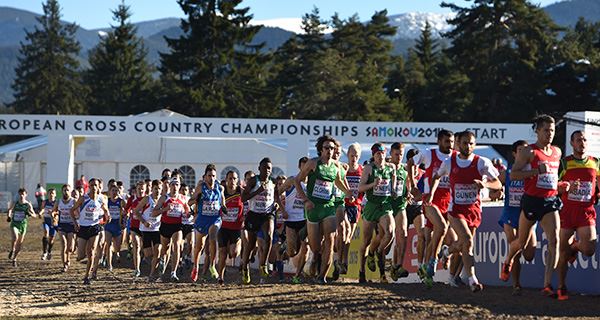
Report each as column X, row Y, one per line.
column 515, row 193
column 298, row 204
column 583, row 192
column 115, row 213
column 18, row 216
column 465, row 194
column 232, row 215
column 175, row 210
column 210, row 208
column 322, row 189
column 353, row 182
column 547, row 181
column 383, row 188
column 444, row 182
column 400, row 187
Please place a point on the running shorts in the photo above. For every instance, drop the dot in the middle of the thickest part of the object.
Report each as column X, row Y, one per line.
column 536, row 208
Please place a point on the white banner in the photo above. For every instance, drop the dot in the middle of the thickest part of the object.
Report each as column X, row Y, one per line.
column 589, row 122
column 486, row 133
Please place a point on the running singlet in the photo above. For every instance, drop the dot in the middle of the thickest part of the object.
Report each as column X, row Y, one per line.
column 20, row 212
column 543, row 185
column 465, row 195
column 585, row 171
column 132, row 203
column 234, row 218
column 147, row 215
column 442, row 193
column 353, row 178
column 90, row 211
column 64, row 211
column 114, row 208
column 513, row 190
column 320, row 183
column 189, row 220
column 383, row 190
column 209, row 201
column 49, row 206
column 263, row 202
column 294, row 206
column 176, row 209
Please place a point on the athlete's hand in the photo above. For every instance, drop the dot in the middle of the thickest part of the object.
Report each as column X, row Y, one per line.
column 427, row 199
column 377, row 181
column 147, row 224
column 309, row 205
column 409, row 197
column 563, row 187
column 478, row 184
column 543, row 168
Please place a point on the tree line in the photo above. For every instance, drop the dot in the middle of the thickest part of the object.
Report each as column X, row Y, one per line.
column 505, row 61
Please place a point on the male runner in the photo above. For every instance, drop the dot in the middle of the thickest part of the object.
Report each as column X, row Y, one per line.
column 17, row 216
column 150, row 226
column 134, row 226
column 113, row 230
column 48, row 224
column 229, row 236
column 399, row 206
column 65, row 225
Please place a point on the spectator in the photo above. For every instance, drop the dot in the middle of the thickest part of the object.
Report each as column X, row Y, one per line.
column 40, row 195
column 82, row 183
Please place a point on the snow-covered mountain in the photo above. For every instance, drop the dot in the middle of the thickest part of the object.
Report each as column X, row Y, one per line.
column 411, row 24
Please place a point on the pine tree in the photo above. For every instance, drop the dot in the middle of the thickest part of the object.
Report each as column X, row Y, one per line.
column 120, row 79
column 47, row 77
column 426, row 50
column 200, row 75
column 503, row 47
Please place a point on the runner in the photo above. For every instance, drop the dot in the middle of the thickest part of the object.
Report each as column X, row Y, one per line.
column 173, row 207
column 113, row 230
column 378, row 181
column 340, row 213
column 17, row 216
column 134, row 227
column 48, row 224
column 86, row 214
column 578, row 214
column 65, row 225
column 353, row 205
column 399, row 206
column 150, row 226
column 414, row 209
column 260, row 194
column 436, row 210
column 467, row 171
column 187, row 230
column 538, row 165
column 295, row 224
column 209, row 201
column 229, row 236
column 509, row 220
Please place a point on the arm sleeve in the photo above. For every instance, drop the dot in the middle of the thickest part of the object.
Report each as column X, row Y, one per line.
column 487, row 169
column 444, row 169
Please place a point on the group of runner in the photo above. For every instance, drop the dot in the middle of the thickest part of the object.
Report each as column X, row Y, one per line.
column 318, row 210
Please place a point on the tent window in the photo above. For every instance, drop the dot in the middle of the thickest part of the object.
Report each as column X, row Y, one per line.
column 138, row 173
column 227, row 169
column 188, row 176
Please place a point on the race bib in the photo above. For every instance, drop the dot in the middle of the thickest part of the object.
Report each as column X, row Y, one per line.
column 444, row 182
column 383, row 188
column 583, row 192
column 515, row 193
column 232, row 215
column 548, row 180
column 114, row 212
column 323, row 189
column 465, row 194
column 400, row 187
column 353, row 182
column 65, row 215
column 210, row 208
column 298, row 204
column 18, row 216
column 175, row 210
column 259, row 203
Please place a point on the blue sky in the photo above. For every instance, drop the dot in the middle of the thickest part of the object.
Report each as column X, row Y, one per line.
column 96, row 13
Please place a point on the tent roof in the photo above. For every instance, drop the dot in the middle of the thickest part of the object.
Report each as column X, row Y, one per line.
column 9, row 152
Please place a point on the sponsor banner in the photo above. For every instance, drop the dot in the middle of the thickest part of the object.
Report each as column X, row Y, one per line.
column 486, row 133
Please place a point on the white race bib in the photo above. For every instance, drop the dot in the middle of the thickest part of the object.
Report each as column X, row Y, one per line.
column 515, row 193
column 210, row 208
column 323, row 189
column 175, row 210
column 18, row 216
column 383, row 188
column 232, row 214
column 465, row 194
column 583, row 192
column 353, row 182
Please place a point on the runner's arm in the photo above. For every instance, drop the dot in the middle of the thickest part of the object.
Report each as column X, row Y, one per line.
column 137, row 211
column 42, row 209
column 518, row 171
column 363, row 186
column 247, row 194
column 342, row 184
column 444, row 170
column 306, row 169
column 75, row 208
column 158, row 208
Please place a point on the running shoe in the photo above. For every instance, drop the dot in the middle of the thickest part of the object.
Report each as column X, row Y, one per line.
column 264, row 271
column 194, row 274
column 452, row 282
column 517, row 290
column 443, row 256
column 362, row 278
column 213, row 272
column 562, row 294
column 14, row 263
column 137, row 273
column 174, row 277
column 344, row 268
column 86, row 281
column 371, row 262
column 221, row 282
column 431, row 268
column 296, row 280
column 94, row 276
column 401, row 272
column 336, row 270
column 110, row 269
column 65, row 268
column 49, row 256
column 44, row 255
column 505, row 271
column 10, row 255
column 383, row 279
column 548, row 292
column 476, row 287
column 322, row 281
column 394, row 273
column 161, row 266
column 428, row 282
column 246, row 276
column 422, row 272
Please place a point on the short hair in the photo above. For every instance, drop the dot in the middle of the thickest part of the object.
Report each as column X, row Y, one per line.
column 302, row 160
column 164, row 178
column 183, row 185
column 92, row 181
column 265, row 160
column 397, row 146
column 22, row 190
column 444, row 133
column 576, row 132
column 411, row 153
column 465, row 134
column 51, row 190
column 321, row 141
column 165, row 170
column 248, row 173
column 230, row 172
column 156, row 183
column 356, row 146
column 542, row 119
column 517, row 144
column 210, row 167
column 119, row 183
column 111, row 181
column 65, row 186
